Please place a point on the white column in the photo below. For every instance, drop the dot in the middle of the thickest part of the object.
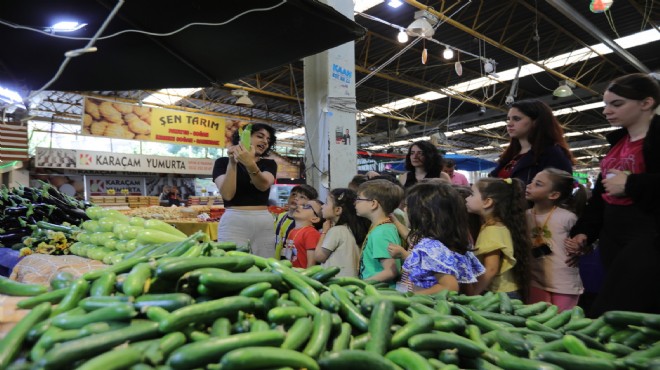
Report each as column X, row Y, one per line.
column 331, row 149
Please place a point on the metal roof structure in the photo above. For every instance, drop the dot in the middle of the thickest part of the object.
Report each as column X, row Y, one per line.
column 552, row 40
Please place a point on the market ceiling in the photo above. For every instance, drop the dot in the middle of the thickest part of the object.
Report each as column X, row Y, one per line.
column 508, row 32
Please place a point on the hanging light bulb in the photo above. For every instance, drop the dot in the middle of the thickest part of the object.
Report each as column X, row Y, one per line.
column 448, row 53
column 402, row 37
column 425, row 55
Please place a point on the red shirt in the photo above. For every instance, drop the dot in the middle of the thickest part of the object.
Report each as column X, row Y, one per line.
column 625, row 156
column 298, row 242
column 507, row 170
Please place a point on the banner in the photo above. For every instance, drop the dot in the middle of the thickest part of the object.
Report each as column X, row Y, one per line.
column 100, row 185
column 136, row 122
column 104, row 161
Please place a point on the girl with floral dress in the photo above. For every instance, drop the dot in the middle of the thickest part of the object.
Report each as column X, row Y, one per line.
column 440, row 257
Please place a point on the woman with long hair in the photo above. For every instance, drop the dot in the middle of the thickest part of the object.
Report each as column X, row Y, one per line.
column 623, row 212
column 244, row 178
column 536, row 142
column 423, row 161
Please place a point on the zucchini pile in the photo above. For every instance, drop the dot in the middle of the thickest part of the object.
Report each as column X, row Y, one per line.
column 110, row 236
column 226, row 309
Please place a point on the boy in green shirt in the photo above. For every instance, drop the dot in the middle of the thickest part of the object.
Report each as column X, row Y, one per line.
column 376, row 200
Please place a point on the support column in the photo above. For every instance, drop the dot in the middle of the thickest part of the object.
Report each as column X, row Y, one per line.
column 331, row 145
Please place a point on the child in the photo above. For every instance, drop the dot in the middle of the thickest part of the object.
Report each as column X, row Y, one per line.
column 440, row 258
column 376, row 200
column 503, row 245
column 343, row 232
column 299, row 195
column 553, row 280
column 302, row 240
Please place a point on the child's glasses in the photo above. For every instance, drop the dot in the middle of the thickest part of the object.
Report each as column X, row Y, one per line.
column 363, row 199
column 309, row 206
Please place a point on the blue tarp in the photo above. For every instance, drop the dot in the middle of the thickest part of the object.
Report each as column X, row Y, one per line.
column 463, row 162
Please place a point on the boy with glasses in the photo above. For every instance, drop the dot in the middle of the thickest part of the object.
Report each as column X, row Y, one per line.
column 300, row 194
column 376, row 200
column 302, row 240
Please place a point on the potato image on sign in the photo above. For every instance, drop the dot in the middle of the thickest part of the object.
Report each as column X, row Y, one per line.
column 115, row 119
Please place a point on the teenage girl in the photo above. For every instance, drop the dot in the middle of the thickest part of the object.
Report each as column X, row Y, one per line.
column 553, row 280
column 342, row 234
column 503, row 244
column 440, row 257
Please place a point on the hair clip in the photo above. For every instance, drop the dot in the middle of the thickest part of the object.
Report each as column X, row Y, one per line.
column 341, row 196
column 508, row 180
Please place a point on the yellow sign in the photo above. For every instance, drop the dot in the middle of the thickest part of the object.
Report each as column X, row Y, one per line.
column 129, row 121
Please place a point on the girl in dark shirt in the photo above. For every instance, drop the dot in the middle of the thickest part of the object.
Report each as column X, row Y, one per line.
column 423, row 161
column 536, row 142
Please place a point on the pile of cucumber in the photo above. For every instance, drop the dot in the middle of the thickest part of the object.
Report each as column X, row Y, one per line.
column 231, row 310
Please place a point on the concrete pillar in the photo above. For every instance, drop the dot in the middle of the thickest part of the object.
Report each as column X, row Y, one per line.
column 331, row 148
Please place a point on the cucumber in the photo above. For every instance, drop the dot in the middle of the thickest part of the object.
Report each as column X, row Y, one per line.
column 136, row 279
column 483, row 323
column 113, row 360
column 205, row 312
column 511, row 319
column 175, row 268
column 12, row 343
column 348, row 310
column 248, row 358
column 94, row 303
column 408, row 360
column 573, row 362
column 381, row 319
column 51, row 297
column 298, row 333
column 505, row 303
column 531, row 309
column 286, row 315
column 199, row 354
column 559, row 320
column 122, row 266
column 255, row 290
column 625, row 318
column 66, row 353
column 77, row 290
column 295, row 280
column 575, row 346
column 232, row 283
column 513, row 343
column 168, row 301
column 62, row 279
column 329, row 302
column 104, row 285
column 320, row 334
column 507, row 361
column 343, row 339
column 303, row 302
column 326, row 274
column 353, row 359
column 15, row 288
column 115, row 312
column 440, row 340
column 421, row 324
column 544, row 316
column 360, row 341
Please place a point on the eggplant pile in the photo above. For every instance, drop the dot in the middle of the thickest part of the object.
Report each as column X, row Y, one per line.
column 23, row 207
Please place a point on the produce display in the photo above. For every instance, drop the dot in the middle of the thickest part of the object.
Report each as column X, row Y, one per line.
column 195, row 305
column 110, row 236
column 32, row 218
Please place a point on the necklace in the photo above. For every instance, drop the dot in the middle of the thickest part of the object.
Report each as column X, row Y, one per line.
column 371, row 228
column 542, row 232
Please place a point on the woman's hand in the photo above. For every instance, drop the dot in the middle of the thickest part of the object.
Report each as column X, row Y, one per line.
column 244, row 156
column 615, row 183
column 396, row 251
column 575, row 244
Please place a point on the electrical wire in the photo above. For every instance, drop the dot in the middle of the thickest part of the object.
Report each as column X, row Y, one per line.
column 17, row 26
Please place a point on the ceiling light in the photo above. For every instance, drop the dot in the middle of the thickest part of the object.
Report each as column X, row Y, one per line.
column 243, row 99
column 395, row 3
column 563, row 91
column 402, row 37
column 401, row 130
column 422, row 26
column 482, row 110
column 489, row 67
column 448, row 53
column 67, row 26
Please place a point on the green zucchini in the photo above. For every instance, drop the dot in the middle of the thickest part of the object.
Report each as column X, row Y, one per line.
column 248, row 358
column 135, row 281
column 355, row 359
column 15, row 288
column 408, row 360
column 13, row 341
